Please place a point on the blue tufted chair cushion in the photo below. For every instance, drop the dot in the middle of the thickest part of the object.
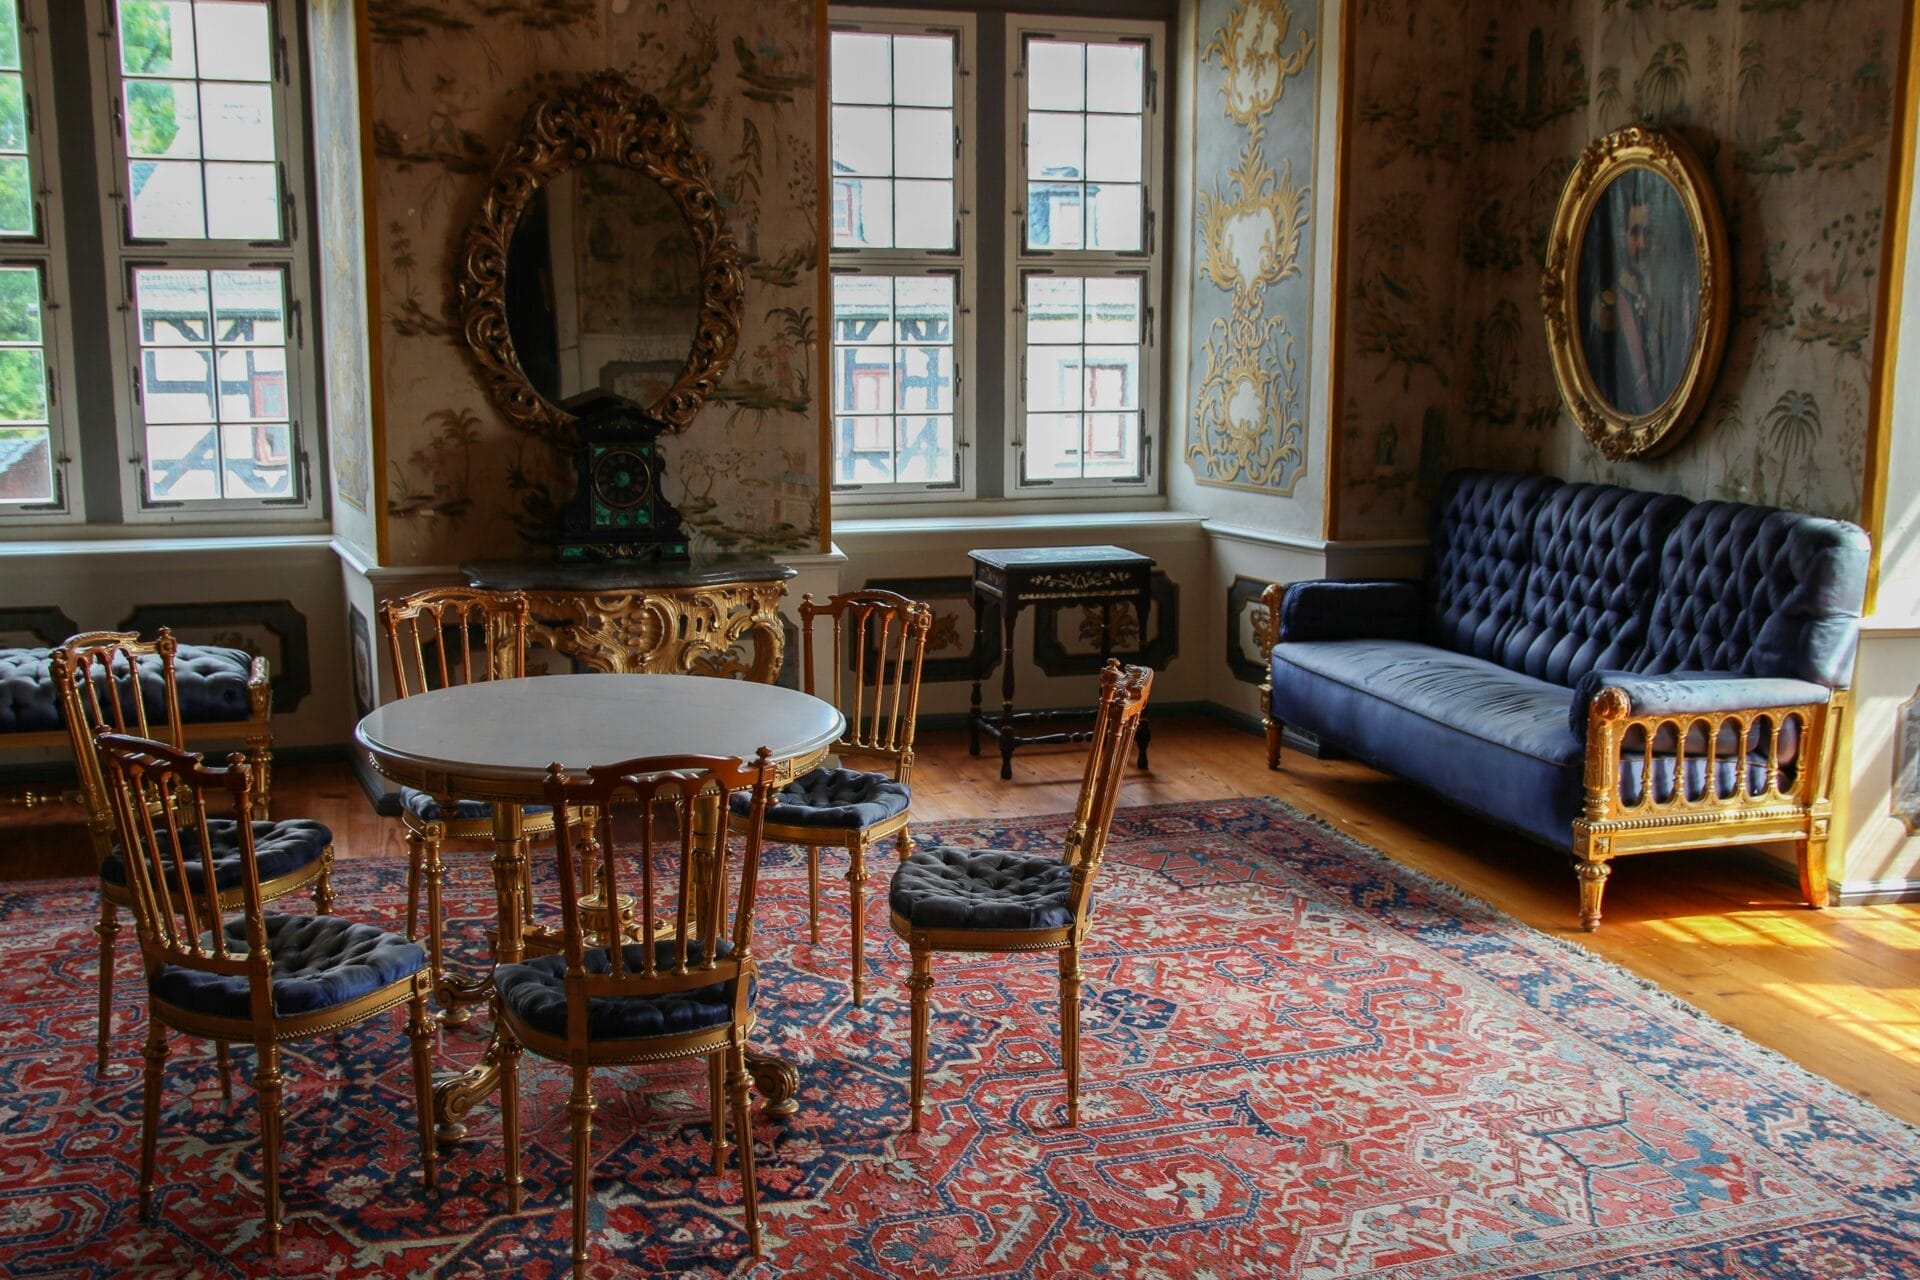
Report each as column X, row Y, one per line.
column 212, row 682
column 426, row 808
column 942, row 888
column 833, row 798
column 537, row 993
column 318, row 962
column 280, row 849
column 1589, row 584
column 1477, row 557
column 1758, row 591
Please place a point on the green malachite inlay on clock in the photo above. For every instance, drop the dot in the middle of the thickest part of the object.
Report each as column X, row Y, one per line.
column 617, row 511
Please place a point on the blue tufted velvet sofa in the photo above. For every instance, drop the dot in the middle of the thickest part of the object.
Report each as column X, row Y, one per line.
column 1606, row 670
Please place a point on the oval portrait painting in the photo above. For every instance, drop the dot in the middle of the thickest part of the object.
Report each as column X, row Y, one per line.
column 1639, row 292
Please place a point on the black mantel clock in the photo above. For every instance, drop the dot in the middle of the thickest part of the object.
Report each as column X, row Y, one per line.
column 618, row 511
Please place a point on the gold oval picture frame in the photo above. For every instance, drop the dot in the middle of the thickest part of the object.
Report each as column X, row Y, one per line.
column 1635, row 293
column 605, row 119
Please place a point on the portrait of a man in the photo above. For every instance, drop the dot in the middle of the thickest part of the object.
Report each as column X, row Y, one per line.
column 1639, row 292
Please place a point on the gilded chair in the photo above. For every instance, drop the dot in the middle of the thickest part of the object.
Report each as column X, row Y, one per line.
column 668, row 992
column 233, row 973
column 93, row 678
column 879, row 640
column 440, row 637
column 979, row 900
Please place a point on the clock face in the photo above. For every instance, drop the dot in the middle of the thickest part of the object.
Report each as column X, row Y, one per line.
column 622, row 485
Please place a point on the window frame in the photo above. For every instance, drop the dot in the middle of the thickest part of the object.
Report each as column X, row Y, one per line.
column 124, row 254
column 960, row 262
column 47, row 253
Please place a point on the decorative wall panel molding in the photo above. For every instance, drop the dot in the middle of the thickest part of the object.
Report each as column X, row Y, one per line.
column 270, row 627
column 1245, row 620
column 950, row 651
column 34, row 627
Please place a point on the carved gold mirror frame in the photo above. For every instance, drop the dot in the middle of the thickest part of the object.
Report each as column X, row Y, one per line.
column 604, row 120
column 1635, row 293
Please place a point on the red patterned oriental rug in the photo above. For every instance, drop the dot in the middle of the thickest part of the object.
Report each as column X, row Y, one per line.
column 1300, row 1060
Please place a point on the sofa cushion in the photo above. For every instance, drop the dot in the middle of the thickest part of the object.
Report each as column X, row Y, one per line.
column 318, row 962
column 1588, row 589
column 1757, row 591
column 1481, row 532
column 1479, row 735
column 211, row 680
column 1327, row 609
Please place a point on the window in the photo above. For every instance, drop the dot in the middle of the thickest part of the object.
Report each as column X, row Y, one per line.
column 193, row 119
column 1060, row 398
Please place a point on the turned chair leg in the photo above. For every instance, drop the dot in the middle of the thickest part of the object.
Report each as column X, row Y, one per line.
column 1070, row 1029
column 1274, row 730
column 903, row 843
column 717, row 1105
column 580, row 1108
column 267, row 1083
column 323, row 887
column 109, row 931
column 416, row 871
column 742, row 1120
column 420, row 1033
column 224, row 1064
column 1813, row 866
column 813, row 894
column 920, row 985
column 260, row 760
column 857, row 891
column 510, row 1114
column 156, row 1058
column 1593, row 883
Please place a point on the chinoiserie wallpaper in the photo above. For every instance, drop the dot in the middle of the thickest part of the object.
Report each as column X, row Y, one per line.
column 1254, row 137
column 345, row 375
column 450, row 83
column 1463, row 134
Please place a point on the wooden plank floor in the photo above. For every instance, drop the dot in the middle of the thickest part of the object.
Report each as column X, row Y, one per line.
column 1836, row 990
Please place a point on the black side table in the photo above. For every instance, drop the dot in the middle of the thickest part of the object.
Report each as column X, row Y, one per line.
column 1020, row 576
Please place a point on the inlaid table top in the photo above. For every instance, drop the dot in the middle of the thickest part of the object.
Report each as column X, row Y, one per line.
column 496, row 740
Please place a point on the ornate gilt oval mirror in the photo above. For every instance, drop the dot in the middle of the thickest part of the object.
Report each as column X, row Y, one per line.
column 600, row 262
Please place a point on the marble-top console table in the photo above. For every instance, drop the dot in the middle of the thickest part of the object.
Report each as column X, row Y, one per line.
column 626, row 617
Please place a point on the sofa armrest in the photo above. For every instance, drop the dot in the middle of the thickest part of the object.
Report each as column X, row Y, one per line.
column 1692, row 692
column 1326, row 609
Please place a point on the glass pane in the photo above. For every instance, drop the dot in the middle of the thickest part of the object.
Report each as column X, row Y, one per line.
column 923, row 71
column 9, row 37
column 163, row 119
column 182, row 463
column 1053, row 378
column 26, row 464
column 862, row 310
column 1112, row 377
column 925, row 450
column 860, row 69
column 1053, row 309
column 1116, row 77
column 1113, row 310
column 237, row 121
column 1053, row 215
column 1056, row 145
column 173, row 307
column 243, row 202
column 925, row 308
column 863, row 380
column 1056, row 76
column 166, row 199
column 248, row 308
column 1112, row 446
column 923, row 144
column 924, row 379
column 20, row 304
column 13, row 113
column 156, row 38
column 253, row 385
column 924, row 216
column 1113, row 148
column 23, row 385
column 1053, row 447
column 862, row 213
column 863, row 451
column 176, row 385
column 1117, row 220
column 16, row 197
column 257, row 460
column 862, row 140
column 234, row 40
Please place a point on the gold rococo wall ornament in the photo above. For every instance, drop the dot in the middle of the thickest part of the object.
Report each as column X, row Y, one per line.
column 603, row 120
column 1636, row 291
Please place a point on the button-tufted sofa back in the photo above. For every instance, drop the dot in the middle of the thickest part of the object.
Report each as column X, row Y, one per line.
column 1477, row 557
column 1758, row 591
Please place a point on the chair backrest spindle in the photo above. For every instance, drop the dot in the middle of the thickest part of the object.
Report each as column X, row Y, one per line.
column 879, row 647
column 445, row 636
column 1123, row 700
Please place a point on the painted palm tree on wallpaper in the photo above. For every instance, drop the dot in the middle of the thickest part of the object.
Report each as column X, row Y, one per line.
column 1793, row 425
column 1662, row 87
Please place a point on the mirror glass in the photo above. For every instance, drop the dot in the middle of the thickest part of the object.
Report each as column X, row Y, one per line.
column 603, row 286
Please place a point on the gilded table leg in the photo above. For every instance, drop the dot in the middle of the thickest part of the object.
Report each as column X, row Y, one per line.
column 454, row 1096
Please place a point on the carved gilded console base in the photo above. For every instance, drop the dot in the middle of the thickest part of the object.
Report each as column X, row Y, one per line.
column 692, row 630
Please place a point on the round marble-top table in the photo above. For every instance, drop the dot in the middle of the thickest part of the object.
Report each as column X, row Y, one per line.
column 497, row 739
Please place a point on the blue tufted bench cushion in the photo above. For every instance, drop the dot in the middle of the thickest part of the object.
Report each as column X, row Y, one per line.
column 212, row 683
column 944, row 888
column 537, row 993
column 833, row 798
column 319, row 962
column 280, row 849
column 426, row 808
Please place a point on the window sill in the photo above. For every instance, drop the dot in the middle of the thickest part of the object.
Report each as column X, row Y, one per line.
column 1011, row 522
column 116, row 541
